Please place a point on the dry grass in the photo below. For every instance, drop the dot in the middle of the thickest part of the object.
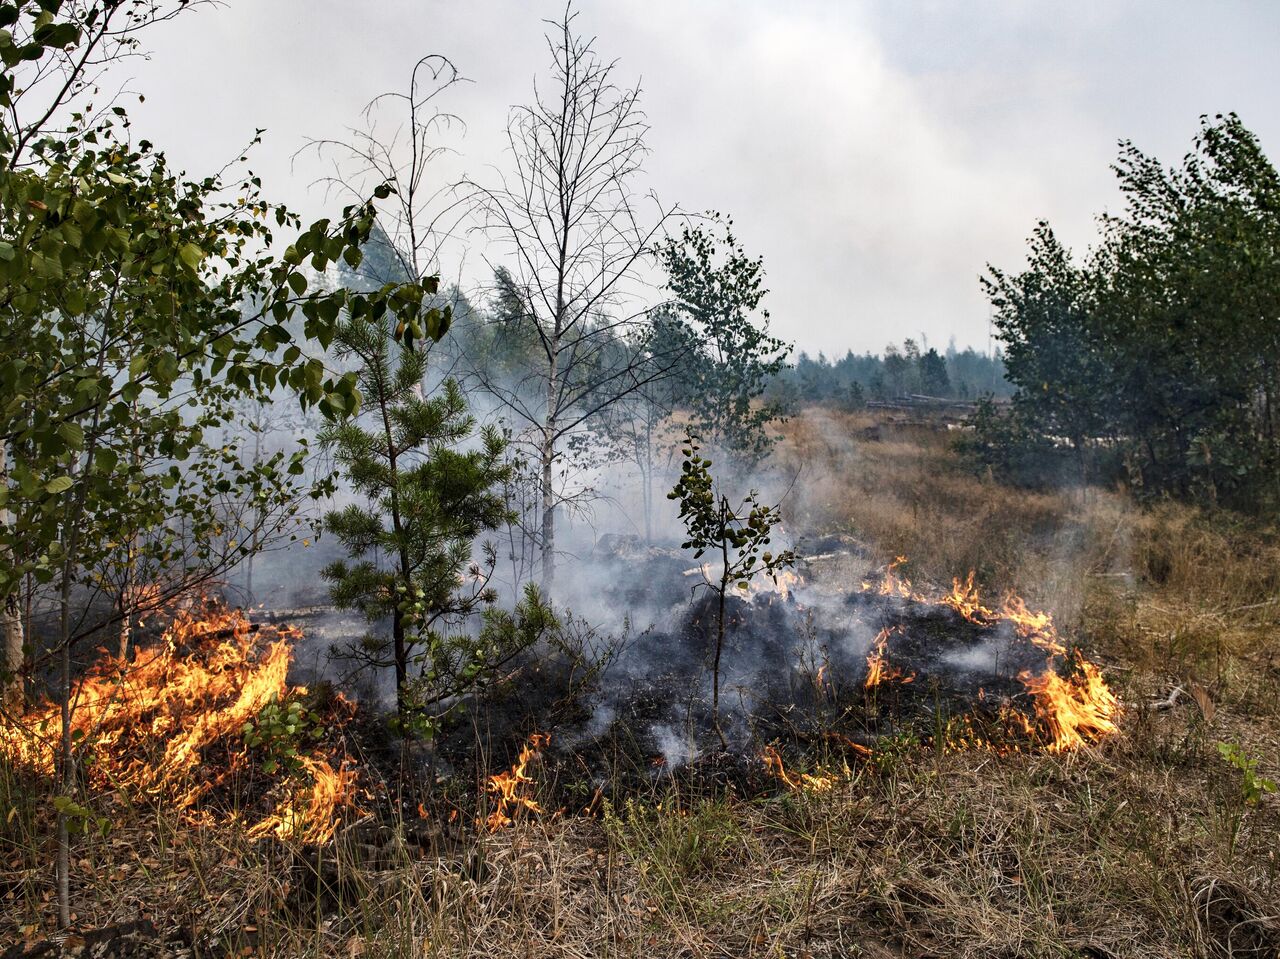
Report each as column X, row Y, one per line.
column 962, row 855
column 1143, row 846
column 1167, row 588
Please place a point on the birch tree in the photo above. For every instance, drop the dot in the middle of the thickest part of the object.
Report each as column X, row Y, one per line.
column 574, row 231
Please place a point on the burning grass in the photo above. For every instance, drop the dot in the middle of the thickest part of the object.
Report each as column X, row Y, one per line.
column 863, row 834
column 1073, row 707
column 168, row 726
column 511, row 791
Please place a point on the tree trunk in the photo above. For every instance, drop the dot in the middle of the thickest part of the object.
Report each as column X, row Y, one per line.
column 128, row 597
column 647, row 470
column 401, row 653
column 248, row 571
column 11, row 665
column 11, row 688
column 66, row 752
column 400, row 647
column 548, row 458
column 548, row 535
column 66, row 771
column 129, row 590
column 715, row 665
column 126, row 630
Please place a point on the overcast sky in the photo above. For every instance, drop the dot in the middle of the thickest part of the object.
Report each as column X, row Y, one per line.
column 876, row 154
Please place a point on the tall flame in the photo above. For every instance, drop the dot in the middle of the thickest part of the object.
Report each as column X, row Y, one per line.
column 964, row 599
column 878, row 668
column 311, row 815
column 151, row 722
column 1077, row 710
column 509, row 788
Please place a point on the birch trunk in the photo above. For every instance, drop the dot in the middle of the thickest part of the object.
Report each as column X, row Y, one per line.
column 11, row 690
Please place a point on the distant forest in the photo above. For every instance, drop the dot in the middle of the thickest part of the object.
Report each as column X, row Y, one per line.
column 906, row 370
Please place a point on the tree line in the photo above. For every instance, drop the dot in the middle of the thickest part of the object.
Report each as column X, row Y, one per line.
column 901, row 371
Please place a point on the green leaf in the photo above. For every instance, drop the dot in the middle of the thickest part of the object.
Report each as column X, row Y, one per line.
column 73, row 433
column 59, row 484
column 191, row 255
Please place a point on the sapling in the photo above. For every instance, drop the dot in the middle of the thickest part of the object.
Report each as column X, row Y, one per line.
column 740, row 534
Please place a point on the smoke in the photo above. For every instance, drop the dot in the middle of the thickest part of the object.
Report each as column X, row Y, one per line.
column 793, row 657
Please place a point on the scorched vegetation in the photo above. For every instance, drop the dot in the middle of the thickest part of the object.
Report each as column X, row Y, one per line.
column 897, row 674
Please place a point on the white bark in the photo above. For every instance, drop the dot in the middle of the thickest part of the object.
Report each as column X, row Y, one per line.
column 11, row 691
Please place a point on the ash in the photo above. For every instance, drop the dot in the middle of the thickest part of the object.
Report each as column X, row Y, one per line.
column 797, row 669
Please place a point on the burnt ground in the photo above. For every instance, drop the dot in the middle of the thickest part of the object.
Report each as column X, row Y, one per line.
column 794, row 676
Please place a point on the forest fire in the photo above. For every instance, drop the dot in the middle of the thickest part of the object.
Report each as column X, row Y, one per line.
column 813, row 782
column 1075, row 711
column 879, row 669
column 180, row 721
column 311, row 815
column 169, row 723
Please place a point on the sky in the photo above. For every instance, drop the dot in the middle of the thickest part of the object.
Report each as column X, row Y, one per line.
column 878, row 155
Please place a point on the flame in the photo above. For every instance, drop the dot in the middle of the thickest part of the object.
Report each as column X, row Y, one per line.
column 167, row 724
column 311, row 815
column 878, row 668
column 508, row 788
column 773, row 765
column 1071, row 711
column 964, row 599
column 1077, row 710
column 1034, row 626
column 780, row 584
column 894, row 585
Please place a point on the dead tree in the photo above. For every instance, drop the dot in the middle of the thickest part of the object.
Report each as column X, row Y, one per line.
column 574, row 232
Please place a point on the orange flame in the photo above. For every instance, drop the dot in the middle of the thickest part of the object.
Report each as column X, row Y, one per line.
column 1036, row 627
column 894, row 585
column 878, row 668
column 1076, row 710
column 964, row 599
column 1072, row 711
column 311, row 815
column 150, row 723
column 774, row 766
column 508, row 788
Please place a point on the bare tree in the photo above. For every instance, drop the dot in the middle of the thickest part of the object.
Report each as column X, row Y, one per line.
column 401, row 137
column 576, row 233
